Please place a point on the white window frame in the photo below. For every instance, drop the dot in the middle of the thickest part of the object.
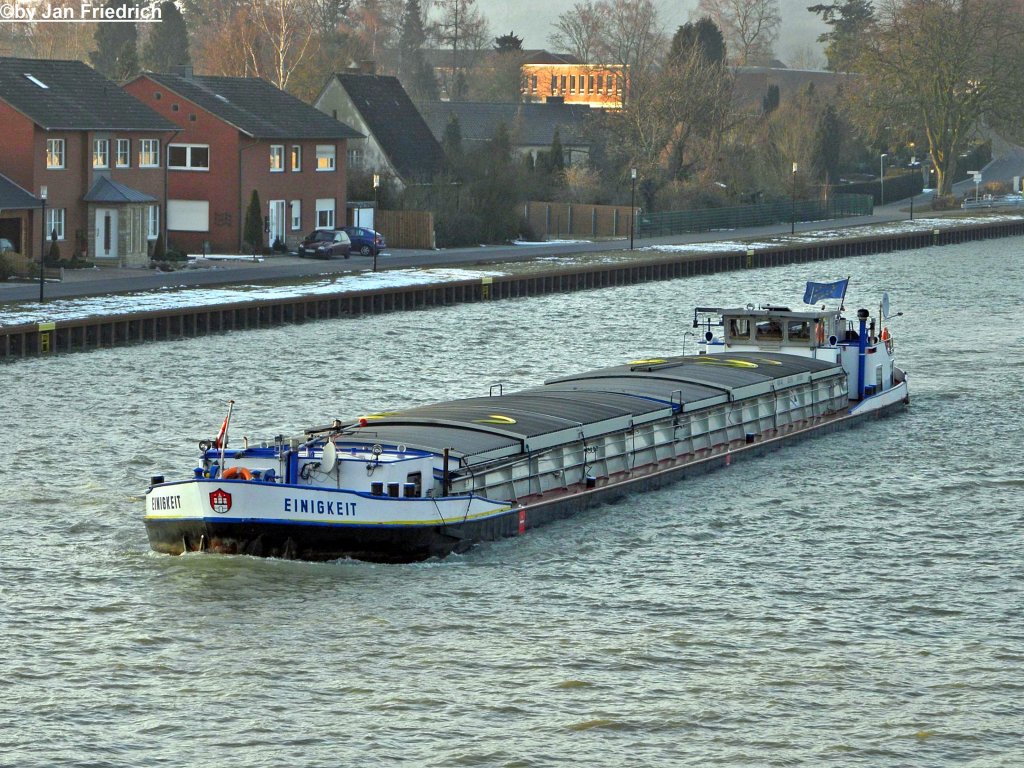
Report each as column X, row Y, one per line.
column 296, row 158
column 277, row 158
column 153, row 222
column 296, row 215
column 326, row 157
column 101, row 153
column 188, row 157
column 355, row 158
column 326, row 206
column 123, row 158
column 55, row 154
column 55, row 221
column 149, row 153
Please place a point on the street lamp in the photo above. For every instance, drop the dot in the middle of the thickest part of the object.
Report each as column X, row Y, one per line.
column 42, row 243
column 632, row 206
column 376, row 186
column 792, row 210
column 881, row 178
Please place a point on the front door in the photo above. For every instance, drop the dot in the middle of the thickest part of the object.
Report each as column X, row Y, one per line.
column 276, row 221
column 106, row 233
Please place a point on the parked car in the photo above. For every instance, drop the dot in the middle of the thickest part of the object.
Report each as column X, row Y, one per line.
column 325, row 244
column 366, row 242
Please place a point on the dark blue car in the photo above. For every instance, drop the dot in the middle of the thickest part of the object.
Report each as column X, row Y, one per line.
column 365, row 242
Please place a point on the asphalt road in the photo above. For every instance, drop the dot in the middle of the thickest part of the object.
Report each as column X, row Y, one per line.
column 275, row 268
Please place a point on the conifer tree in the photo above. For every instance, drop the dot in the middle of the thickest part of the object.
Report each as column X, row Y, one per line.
column 116, row 54
column 253, row 230
column 167, row 45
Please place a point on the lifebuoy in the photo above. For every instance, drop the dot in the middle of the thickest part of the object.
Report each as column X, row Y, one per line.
column 885, row 334
column 237, row 472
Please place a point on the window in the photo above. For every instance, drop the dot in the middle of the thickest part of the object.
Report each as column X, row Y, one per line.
column 572, row 83
column 296, row 157
column 188, row 157
column 590, row 84
column 124, row 153
column 563, row 83
column 355, row 158
column 55, row 222
column 277, row 158
column 101, row 153
column 153, row 228
column 55, row 153
column 325, row 213
column 554, row 84
column 325, row 157
column 149, row 153
column 296, row 215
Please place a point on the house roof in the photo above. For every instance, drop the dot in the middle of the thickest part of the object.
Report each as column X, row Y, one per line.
column 106, row 190
column 255, row 107
column 541, row 56
column 395, row 123
column 530, row 123
column 69, row 95
column 14, row 197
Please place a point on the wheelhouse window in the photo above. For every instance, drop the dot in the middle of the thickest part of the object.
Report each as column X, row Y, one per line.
column 798, row 330
column 101, row 153
column 55, row 223
column 54, row 153
column 325, row 213
column 124, row 153
column 325, row 157
column 188, row 157
column 277, row 158
column 296, row 158
column 739, row 329
column 149, row 153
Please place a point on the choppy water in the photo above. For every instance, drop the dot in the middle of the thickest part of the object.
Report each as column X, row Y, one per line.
column 851, row 601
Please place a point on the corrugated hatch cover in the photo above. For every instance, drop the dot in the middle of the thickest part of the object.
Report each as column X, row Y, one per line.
column 566, row 408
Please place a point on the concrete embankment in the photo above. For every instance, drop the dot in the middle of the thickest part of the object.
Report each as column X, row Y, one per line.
column 17, row 341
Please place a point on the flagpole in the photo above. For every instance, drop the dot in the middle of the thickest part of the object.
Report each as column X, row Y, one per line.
column 842, row 299
column 224, row 434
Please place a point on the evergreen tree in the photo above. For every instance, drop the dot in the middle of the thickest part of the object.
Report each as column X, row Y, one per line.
column 116, row 54
column 556, row 162
column 416, row 74
column 851, row 22
column 253, row 230
column 828, row 145
column 507, row 43
column 704, row 34
column 770, row 101
column 167, row 45
column 451, row 140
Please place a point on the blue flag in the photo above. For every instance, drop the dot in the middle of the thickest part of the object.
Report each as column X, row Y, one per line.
column 817, row 291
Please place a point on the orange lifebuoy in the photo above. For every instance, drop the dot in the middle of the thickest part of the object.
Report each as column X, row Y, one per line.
column 237, row 472
column 885, row 334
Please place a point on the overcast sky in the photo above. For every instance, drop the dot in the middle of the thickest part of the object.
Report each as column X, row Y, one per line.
column 532, row 20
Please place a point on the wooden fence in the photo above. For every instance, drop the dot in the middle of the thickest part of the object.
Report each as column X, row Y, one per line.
column 406, row 229
column 554, row 220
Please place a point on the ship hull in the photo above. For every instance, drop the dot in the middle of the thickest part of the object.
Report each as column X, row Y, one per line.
column 376, row 534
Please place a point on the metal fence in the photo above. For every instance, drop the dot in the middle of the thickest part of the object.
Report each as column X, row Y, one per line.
column 764, row 214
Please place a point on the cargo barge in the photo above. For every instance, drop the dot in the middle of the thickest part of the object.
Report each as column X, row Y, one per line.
column 425, row 482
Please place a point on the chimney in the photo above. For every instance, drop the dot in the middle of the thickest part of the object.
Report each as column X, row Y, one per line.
column 368, row 67
column 182, row 70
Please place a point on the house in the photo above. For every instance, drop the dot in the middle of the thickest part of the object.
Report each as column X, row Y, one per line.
column 398, row 142
column 239, row 134
column 531, row 126
column 752, row 84
column 74, row 137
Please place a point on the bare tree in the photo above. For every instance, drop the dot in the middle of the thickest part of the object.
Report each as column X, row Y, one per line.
column 750, row 27
column 940, row 67
column 287, row 30
column 579, row 31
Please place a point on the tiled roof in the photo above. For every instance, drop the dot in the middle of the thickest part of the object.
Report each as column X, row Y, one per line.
column 255, row 107
column 69, row 95
column 106, row 190
column 531, row 124
column 14, row 197
column 396, row 124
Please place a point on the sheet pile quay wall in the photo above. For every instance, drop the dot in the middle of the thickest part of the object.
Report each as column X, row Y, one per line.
column 19, row 341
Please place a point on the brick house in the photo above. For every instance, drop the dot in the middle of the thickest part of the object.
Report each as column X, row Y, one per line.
column 96, row 152
column 547, row 75
column 236, row 135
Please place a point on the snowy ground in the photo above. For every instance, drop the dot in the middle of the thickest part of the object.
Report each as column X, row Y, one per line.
column 14, row 313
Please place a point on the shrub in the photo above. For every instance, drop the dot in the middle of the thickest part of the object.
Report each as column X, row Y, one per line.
column 5, row 269
column 527, row 232
column 159, row 252
column 53, row 255
column 945, row 203
column 278, row 246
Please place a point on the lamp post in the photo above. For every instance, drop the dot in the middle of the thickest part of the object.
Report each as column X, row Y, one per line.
column 632, row 206
column 42, row 243
column 376, row 186
column 792, row 210
column 881, row 178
